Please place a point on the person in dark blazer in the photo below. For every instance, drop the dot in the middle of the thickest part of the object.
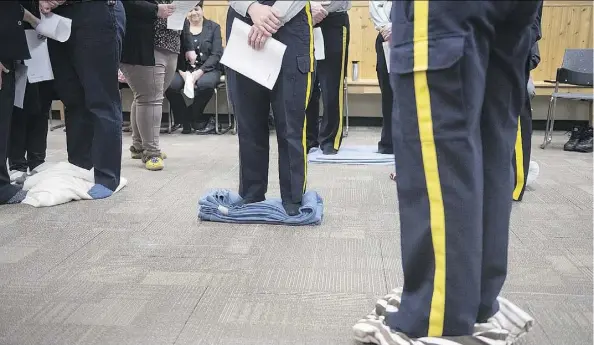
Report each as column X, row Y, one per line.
column 148, row 62
column 13, row 50
column 202, row 41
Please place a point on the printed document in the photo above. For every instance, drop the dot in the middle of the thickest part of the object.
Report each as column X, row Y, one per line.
column 319, row 51
column 176, row 20
column 262, row 66
column 20, row 76
column 39, row 66
column 55, row 27
column 386, row 46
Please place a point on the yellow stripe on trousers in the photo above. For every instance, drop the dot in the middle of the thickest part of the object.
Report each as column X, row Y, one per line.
column 519, row 163
column 307, row 91
column 430, row 166
column 341, row 90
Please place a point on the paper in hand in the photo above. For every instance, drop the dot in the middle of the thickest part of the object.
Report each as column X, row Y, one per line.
column 386, row 46
column 39, row 66
column 20, row 76
column 189, row 86
column 176, row 20
column 319, row 50
column 262, row 66
column 55, row 27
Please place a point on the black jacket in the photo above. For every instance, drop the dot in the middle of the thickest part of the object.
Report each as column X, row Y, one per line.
column 211, row 47
column 139, row 42
column 13, row 43
column 536, row 34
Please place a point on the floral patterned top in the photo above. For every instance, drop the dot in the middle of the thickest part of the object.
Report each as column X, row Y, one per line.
column 165, row 38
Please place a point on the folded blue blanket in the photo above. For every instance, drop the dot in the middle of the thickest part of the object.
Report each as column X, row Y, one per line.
column 352, row 155
column 217, row 206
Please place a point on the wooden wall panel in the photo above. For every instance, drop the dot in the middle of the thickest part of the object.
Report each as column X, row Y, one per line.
column 565, row 24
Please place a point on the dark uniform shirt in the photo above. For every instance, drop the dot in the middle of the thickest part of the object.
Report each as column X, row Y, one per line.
column 13, row 43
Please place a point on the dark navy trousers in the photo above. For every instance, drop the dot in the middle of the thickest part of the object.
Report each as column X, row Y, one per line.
column 85, row 70
column 330, row 74
column 458, row 73
column 289, row 99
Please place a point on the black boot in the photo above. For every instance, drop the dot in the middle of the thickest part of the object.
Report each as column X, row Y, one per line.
column 292, row 209
column 208, row 129
column 247, row 201
column 574, row 139
column 585, row 143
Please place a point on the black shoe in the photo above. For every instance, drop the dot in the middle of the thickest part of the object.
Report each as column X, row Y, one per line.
column 292, row 209
column 385, row 151
column 175, row 127
column 187, row 130
column 329, row 150
column 247, row 201
column 208, row 129
column 585, row 143
column 574, row 139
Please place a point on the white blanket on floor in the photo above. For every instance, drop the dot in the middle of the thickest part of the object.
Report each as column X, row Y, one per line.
column 59, row 183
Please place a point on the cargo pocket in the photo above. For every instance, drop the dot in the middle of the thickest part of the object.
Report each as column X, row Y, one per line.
column 304, row 64
column 303, row 82
column 445, row 79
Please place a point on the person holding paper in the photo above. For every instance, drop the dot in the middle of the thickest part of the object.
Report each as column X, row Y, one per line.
column 13, row 49
column 202, row 37
column 85, row 78
column 379, row 12
column 291, row 23
column 148, row 63
column 330, row 73
column 457, row 115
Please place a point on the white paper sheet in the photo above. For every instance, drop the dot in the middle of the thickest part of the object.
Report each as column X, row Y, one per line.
column 386, row 46
column 189, row 86
column 20, row 75
column 262, row 66
column 39, row 66
column 176, row 20
column 55, row 27
column 319, row 51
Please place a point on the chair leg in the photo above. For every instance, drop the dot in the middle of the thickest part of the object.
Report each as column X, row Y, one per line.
column 548, row 136
column 216, row 94
column 232, row 118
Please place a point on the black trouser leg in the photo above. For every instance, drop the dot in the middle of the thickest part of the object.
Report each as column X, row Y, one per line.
column 522, row 151
column 177, row 102
column 454, row 215
column 7, row 190
column 85, row 71
column 37, row 127
column 312, row 113
column 17, row 148
column 331, row 72
column 385, row 143
column 201, row 99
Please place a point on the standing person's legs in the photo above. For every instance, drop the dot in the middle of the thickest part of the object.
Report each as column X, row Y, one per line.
column 92, row 56
column 312, row 113
column 506, row 87
column 19, row 131
column 37, row 126
column 8, row 193
column 147, row 83
column 290, row 98
column 385, row 144
column 522, row 151
column 438, row 74
column 331, row 72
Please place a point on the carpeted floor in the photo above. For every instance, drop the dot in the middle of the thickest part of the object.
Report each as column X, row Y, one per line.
column 139, row 268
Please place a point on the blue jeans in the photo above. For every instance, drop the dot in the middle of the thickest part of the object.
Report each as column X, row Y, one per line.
column 86, row 70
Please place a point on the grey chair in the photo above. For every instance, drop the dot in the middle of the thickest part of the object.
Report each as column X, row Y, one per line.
column 576, row 69
column 345, row 109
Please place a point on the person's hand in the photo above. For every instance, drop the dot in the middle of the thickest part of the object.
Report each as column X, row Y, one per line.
column 165, row 10
column 265, row 18
column 197, row 74
column 318, row 12
column 257, row 38
column 386, row 32
column 2, row 70
column 191, row 56
column 46, row 6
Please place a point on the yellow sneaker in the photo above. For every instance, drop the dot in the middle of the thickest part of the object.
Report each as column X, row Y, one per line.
column 155, row 164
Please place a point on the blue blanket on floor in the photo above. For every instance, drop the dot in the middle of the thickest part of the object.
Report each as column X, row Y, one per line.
column 352, row 155
column 217, row 206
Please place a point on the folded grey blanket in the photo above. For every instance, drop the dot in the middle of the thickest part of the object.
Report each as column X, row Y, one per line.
column 504, row 328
